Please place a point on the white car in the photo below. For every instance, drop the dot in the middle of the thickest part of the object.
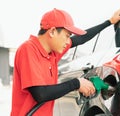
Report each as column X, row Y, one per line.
column 93, row 64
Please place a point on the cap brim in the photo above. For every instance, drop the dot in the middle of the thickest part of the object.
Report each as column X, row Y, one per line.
column 76, row 30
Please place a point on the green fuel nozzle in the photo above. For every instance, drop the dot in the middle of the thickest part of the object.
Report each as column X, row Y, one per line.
column 98, row 83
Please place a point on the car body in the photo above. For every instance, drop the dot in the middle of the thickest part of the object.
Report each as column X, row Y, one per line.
column 106, row 65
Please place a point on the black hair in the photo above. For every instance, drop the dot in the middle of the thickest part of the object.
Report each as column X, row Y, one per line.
column 43, row 31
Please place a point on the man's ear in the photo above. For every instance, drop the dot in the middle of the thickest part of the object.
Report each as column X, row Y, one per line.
column 52, row 31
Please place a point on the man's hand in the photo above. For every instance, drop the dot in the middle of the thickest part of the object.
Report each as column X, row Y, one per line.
column 116, row 17
column 86, row 87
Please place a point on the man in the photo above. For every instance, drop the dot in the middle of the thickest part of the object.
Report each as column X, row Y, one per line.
column 35, row 67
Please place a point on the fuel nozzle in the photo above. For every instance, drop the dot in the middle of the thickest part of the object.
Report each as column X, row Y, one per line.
column 98, row 83
column 106, row 90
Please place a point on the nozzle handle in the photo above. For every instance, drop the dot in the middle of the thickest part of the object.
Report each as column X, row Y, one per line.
column 98, row 83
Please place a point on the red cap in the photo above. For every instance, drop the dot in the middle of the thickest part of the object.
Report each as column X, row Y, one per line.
column 60, row 18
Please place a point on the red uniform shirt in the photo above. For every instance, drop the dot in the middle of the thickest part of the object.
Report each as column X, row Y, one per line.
column 33, row 66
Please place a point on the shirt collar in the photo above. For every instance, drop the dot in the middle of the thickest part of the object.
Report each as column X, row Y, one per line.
column 35, row 40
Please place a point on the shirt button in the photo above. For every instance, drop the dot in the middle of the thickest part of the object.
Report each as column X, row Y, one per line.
column 48, row 57
column 50, row 67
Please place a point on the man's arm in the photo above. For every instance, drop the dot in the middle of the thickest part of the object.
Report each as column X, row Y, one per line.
column 50, row 92
column 91, row 32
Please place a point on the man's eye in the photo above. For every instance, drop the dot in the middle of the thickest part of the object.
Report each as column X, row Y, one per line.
column 68, row 36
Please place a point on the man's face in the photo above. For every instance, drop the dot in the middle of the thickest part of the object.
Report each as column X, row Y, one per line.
column 60, row 40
